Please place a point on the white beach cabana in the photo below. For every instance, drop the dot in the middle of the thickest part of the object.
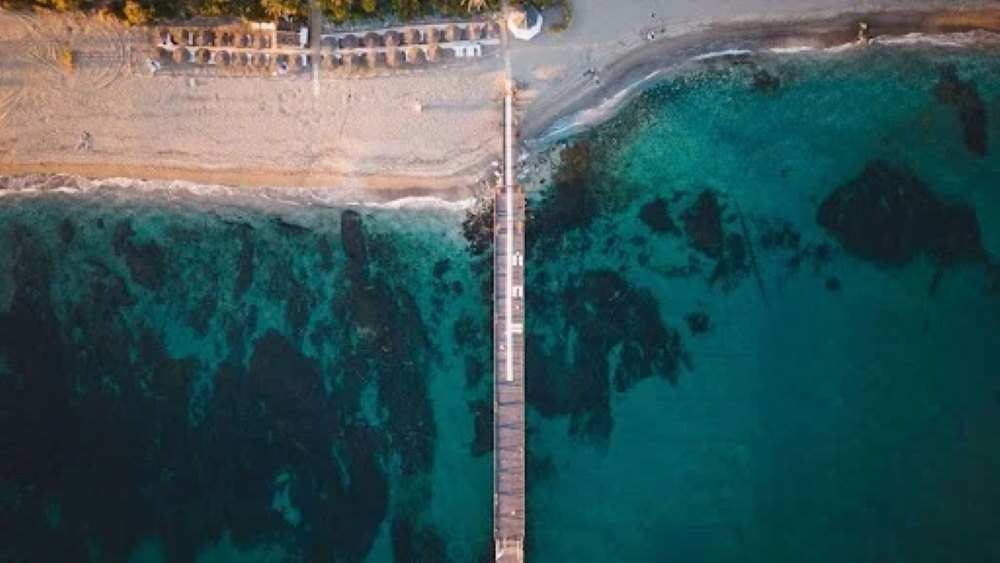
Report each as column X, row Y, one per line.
column 524, row 23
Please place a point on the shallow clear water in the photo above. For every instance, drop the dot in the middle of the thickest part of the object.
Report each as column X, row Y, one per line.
column 726, row 360
column 216, row 382
column 837, row 407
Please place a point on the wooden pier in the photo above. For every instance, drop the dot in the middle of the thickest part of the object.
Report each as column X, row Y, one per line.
column 508, row 354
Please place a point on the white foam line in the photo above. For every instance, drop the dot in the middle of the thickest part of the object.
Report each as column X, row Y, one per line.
column 720, row 54
column 942, row 40
column 419, row 202
column 842, row 47
column 794, row 49
column 301, row 196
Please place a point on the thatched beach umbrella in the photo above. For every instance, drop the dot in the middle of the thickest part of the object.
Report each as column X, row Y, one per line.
column 415, row 55
column 372, row 39
column 411, row 36
column 349, row 42
column 492, row 30
column 434, row 53
column 452, row 33
column 352, row 60
column 392, row 38
column 392, row 57
column 432, row 35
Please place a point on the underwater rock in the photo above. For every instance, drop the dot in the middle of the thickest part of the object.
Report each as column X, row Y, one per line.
column 620, row 340
column 352, row 236
column 67, row 230
column 416, row 543
column 703, row 224
column 244, row 262
column 441, row 268
column 146, row 261
column 287, row 227
column 697, row 323
column 832, row 283
column 477, row 227
column 888, row 215
column 656, row 216
column 120, row 240
column 482, row 441
column 964, row 95
column 779, row 235
column 147, row 265
column 572, row 202
column 764, row 81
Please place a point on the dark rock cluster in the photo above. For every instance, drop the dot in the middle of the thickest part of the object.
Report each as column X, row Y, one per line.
column 888, row 215
column 964, row 96
column 104, row 420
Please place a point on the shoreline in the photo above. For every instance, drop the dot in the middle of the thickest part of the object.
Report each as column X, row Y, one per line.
column 376, row 188
column 580, row 104
column 560, row 109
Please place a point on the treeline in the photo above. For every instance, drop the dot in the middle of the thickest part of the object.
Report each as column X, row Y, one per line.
column 143, row 11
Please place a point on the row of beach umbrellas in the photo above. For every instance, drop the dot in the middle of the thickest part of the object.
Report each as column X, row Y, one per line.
column 391, row 57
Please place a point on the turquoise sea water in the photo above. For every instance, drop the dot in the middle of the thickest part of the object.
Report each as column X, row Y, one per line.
column 764, row 308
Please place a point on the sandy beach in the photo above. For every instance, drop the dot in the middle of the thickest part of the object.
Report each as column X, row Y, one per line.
column 433, row 129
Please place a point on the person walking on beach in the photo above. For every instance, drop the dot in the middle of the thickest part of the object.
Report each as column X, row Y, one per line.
column 86, row 142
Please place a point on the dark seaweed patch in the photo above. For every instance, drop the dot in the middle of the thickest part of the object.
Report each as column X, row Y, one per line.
column 697, row 323
column 244, row 261
column 146, row 261
column 441, row 268
column 390, row 344
column 482, row 442
column 478, row 227
column 764, row 81
column 703, row 224
column 202, row 313
column 289, row 228
column 832, row 283
column 417, row 543
column 572, row 202
column 779, row 235
column 656, row 215
column 964, row 95
column 620, row 340
column 67, row 230
column 703, row 228
column 95, row 394
column 888, row 215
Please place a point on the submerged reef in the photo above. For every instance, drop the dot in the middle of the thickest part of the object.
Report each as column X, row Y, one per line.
column 703, row 227
column 964, row 95
column 656, row 215
column 612, row 337
column 125, row 440
column 889, row 216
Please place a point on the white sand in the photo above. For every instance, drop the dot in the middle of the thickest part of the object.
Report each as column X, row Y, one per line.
column 360, row 131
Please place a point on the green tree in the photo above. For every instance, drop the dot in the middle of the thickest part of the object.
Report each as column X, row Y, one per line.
column 136, row 14
column 281, row 8
column 369, row 6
